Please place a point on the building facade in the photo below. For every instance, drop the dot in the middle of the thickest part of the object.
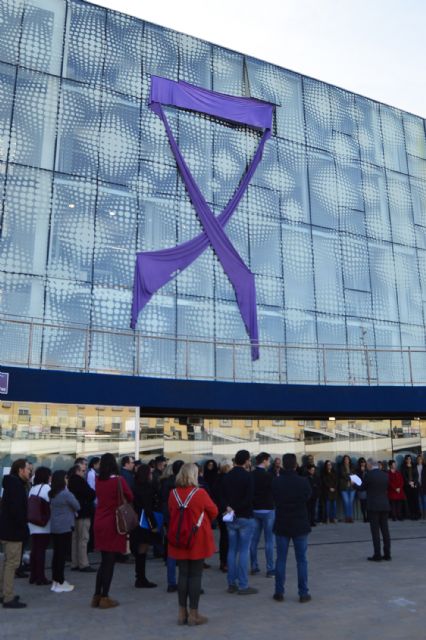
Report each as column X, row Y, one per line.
column 332, row 225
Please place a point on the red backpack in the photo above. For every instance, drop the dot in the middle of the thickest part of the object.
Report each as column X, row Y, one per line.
column 182, row 530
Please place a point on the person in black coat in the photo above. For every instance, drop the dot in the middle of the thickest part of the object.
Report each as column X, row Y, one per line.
column 411, row 486
column 376, row 484
column 315, row 484
column 85, row 495
column 146, row 499
column 13, row 529
column 218, row 498
column 264, row 514
column 291, row 492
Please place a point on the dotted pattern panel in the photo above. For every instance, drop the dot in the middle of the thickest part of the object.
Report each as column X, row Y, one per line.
column 333, row 224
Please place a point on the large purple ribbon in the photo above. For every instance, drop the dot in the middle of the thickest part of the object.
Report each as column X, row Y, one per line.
column 154, row 269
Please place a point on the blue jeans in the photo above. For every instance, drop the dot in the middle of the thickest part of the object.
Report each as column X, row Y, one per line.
column 422, row 501
column 240, row 533
column 300, row 547
column 330, row 509
column 348, row 498
column 263, row 521
column 171, row 572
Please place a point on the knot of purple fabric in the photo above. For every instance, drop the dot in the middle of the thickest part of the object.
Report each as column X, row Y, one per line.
column 154, row 269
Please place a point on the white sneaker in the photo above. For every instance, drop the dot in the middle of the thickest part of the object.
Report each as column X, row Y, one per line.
column 54, row 585
column 65, row 587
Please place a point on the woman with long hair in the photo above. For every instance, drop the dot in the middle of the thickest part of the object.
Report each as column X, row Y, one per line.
column 146, row 500
column 411, row 487
column 63, row 508
column 191, row 560
column 329, row 492
column 40, row 536
column 361, row 472
column 346, row 488
column 107, row 540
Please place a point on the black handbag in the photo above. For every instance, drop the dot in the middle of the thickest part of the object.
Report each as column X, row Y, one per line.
column 38, row 510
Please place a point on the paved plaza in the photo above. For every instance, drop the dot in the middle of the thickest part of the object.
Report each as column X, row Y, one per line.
column 351, row 598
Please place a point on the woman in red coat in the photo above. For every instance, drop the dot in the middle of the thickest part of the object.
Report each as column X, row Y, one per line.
column 190, row 561
column 107, row 540
column 395, row 490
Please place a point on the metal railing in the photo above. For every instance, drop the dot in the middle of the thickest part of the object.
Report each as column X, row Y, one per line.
column 73, row 347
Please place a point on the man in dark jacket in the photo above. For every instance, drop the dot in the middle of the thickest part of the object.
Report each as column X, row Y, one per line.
column 291, row 493
column 238, row 497
column 376, row 485
column 264, row 514
column 127, row 470
column 13, row 529
column 78, row 485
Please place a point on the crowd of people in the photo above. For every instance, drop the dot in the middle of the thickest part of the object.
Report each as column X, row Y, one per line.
column 176, row 507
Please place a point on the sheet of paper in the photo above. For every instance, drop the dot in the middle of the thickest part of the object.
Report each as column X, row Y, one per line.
column 356, row 480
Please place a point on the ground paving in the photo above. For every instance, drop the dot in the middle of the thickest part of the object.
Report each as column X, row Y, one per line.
column 351, row 598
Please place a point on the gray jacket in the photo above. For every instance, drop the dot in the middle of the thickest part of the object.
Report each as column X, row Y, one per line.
column 63, row 508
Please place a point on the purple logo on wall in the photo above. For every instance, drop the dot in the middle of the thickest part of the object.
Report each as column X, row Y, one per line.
column 4, row 383
column 155, row 268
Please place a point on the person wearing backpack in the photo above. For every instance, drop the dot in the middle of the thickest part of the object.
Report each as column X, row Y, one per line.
column 190, row 539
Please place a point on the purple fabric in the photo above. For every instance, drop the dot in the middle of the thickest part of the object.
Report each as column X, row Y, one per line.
column 155, row 268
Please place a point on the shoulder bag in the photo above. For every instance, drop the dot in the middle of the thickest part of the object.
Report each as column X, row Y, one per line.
column 125, row 516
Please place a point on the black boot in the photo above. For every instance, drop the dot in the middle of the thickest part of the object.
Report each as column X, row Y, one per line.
column 141, row 581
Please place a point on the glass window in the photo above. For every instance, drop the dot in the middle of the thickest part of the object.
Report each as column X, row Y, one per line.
column 118, row 140
column 323, row 190
column 328, row 272
column 114, row 256
column 195, row 61
column 85, row 42
column 377, row 219
column 7, row 81
column 72, row 229
column 122, row 68
column 369, row 131
column 10, row 29
column 227, row 71
column 78, row 131
column 298, row 267
column 42, row 35
column 294, row 184
column 319, row 129
column 415, row 135
column 408, row 285
column 400, row 209
column 34, row 119
column 393, row 139
column 160, row 51
column 25, row 233
column 383, row 286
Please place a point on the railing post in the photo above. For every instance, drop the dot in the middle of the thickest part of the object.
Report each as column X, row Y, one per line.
column 30, row 344
column 137, row 359
column 187, row 358
column 410, row 365
column 279, row 364
column 324, row 363
column 233, row 361
column 86, row 350
column 367, row 362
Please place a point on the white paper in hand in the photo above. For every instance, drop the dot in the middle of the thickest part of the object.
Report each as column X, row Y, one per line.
column 229, row 516
column 356, row 480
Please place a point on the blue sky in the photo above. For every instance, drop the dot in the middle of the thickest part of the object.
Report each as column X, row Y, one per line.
column 373, row 47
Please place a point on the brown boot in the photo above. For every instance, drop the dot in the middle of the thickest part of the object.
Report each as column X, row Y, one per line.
column 183, row 615
column 107, row 603
column 95, row 601
column 194, row 618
